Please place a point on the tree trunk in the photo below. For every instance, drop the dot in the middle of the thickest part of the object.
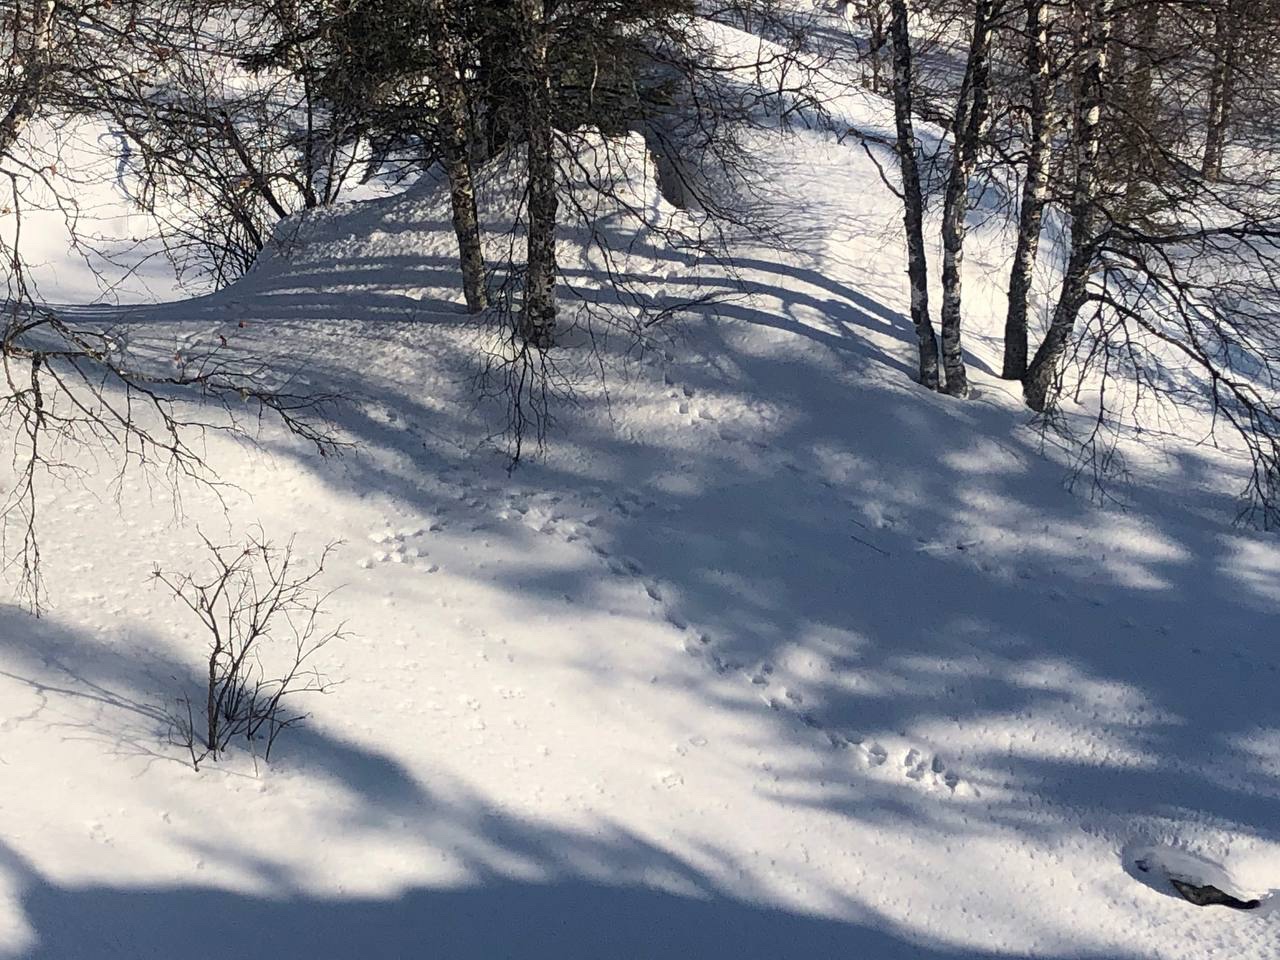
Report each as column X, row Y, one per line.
column 1142, row 107
column 1221, row 89
column 1038, row 384
column 538, row 317
column 1035, row 189
column 875, row 27
column 966, row 129
column 455, row 149
column 36, row 68
column 912, row 200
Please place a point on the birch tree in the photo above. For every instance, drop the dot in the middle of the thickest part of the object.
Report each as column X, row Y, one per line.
column 970, row 117
column 538, row 311
column 912, row 196
column 1224, row 48
column 1093, row 43
column 1035, row 189
column 455, row 149
column 34, row 63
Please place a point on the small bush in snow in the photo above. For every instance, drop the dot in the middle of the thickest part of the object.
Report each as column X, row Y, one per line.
column 262, row 619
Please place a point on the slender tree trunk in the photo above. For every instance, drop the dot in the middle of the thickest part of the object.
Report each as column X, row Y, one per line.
column 912, row 199
column 966, row 129
column 538, row 317
column 1142, row 107
column 212, row 699
column 1035, row 190
column 454, row 136
column 36, row 67
column 875, row 24
column 1224, row 47
column 1038, row 384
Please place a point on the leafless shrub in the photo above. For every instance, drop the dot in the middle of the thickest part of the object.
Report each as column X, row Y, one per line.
column 263, row 617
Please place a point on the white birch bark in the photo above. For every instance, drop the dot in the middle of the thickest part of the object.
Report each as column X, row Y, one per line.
column 966, row 131
column 1035, row 191
column 1095, row 38
column 912, row 200
column 36, row 66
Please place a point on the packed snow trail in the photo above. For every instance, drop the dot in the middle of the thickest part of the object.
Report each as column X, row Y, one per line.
column 774, row 655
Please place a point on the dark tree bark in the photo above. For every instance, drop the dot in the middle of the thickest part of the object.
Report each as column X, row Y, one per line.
column 538, row 316
column 912, row 198
column 497, row 41
column 1138, row 157
column 1222, row 80
column 454, row 127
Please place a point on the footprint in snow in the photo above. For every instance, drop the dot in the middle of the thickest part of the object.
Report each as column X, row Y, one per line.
column 915, row 767
column 932, row 772
column 670, row 779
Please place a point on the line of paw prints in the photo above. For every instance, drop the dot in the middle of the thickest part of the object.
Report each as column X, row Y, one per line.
column 403, row 546
column 917, row 765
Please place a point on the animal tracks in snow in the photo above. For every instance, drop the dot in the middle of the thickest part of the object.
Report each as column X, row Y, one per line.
column 917, row 765
column 684, row 396
column 585, row 521
column 402, row 546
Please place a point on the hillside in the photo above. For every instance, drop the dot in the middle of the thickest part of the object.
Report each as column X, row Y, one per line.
column 771, row 654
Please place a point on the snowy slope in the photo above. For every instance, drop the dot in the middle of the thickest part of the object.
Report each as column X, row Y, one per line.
column 775, row 655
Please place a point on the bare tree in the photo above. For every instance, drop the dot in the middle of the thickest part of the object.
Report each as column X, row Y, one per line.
column 538, row 310
column 1224, row 48
column 455, row 148
column 1093, row 43
column 912, row 196
column 73, row 388
column 1035, row 188
column 967, row 128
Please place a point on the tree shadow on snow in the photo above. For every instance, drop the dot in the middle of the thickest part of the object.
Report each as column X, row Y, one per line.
column 582, row 894
column 561, row 919
column 858, row 564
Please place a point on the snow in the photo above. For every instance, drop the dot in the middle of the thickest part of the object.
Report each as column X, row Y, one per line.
column 772, row 655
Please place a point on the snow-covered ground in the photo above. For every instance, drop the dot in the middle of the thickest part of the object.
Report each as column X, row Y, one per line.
column 772, row 655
